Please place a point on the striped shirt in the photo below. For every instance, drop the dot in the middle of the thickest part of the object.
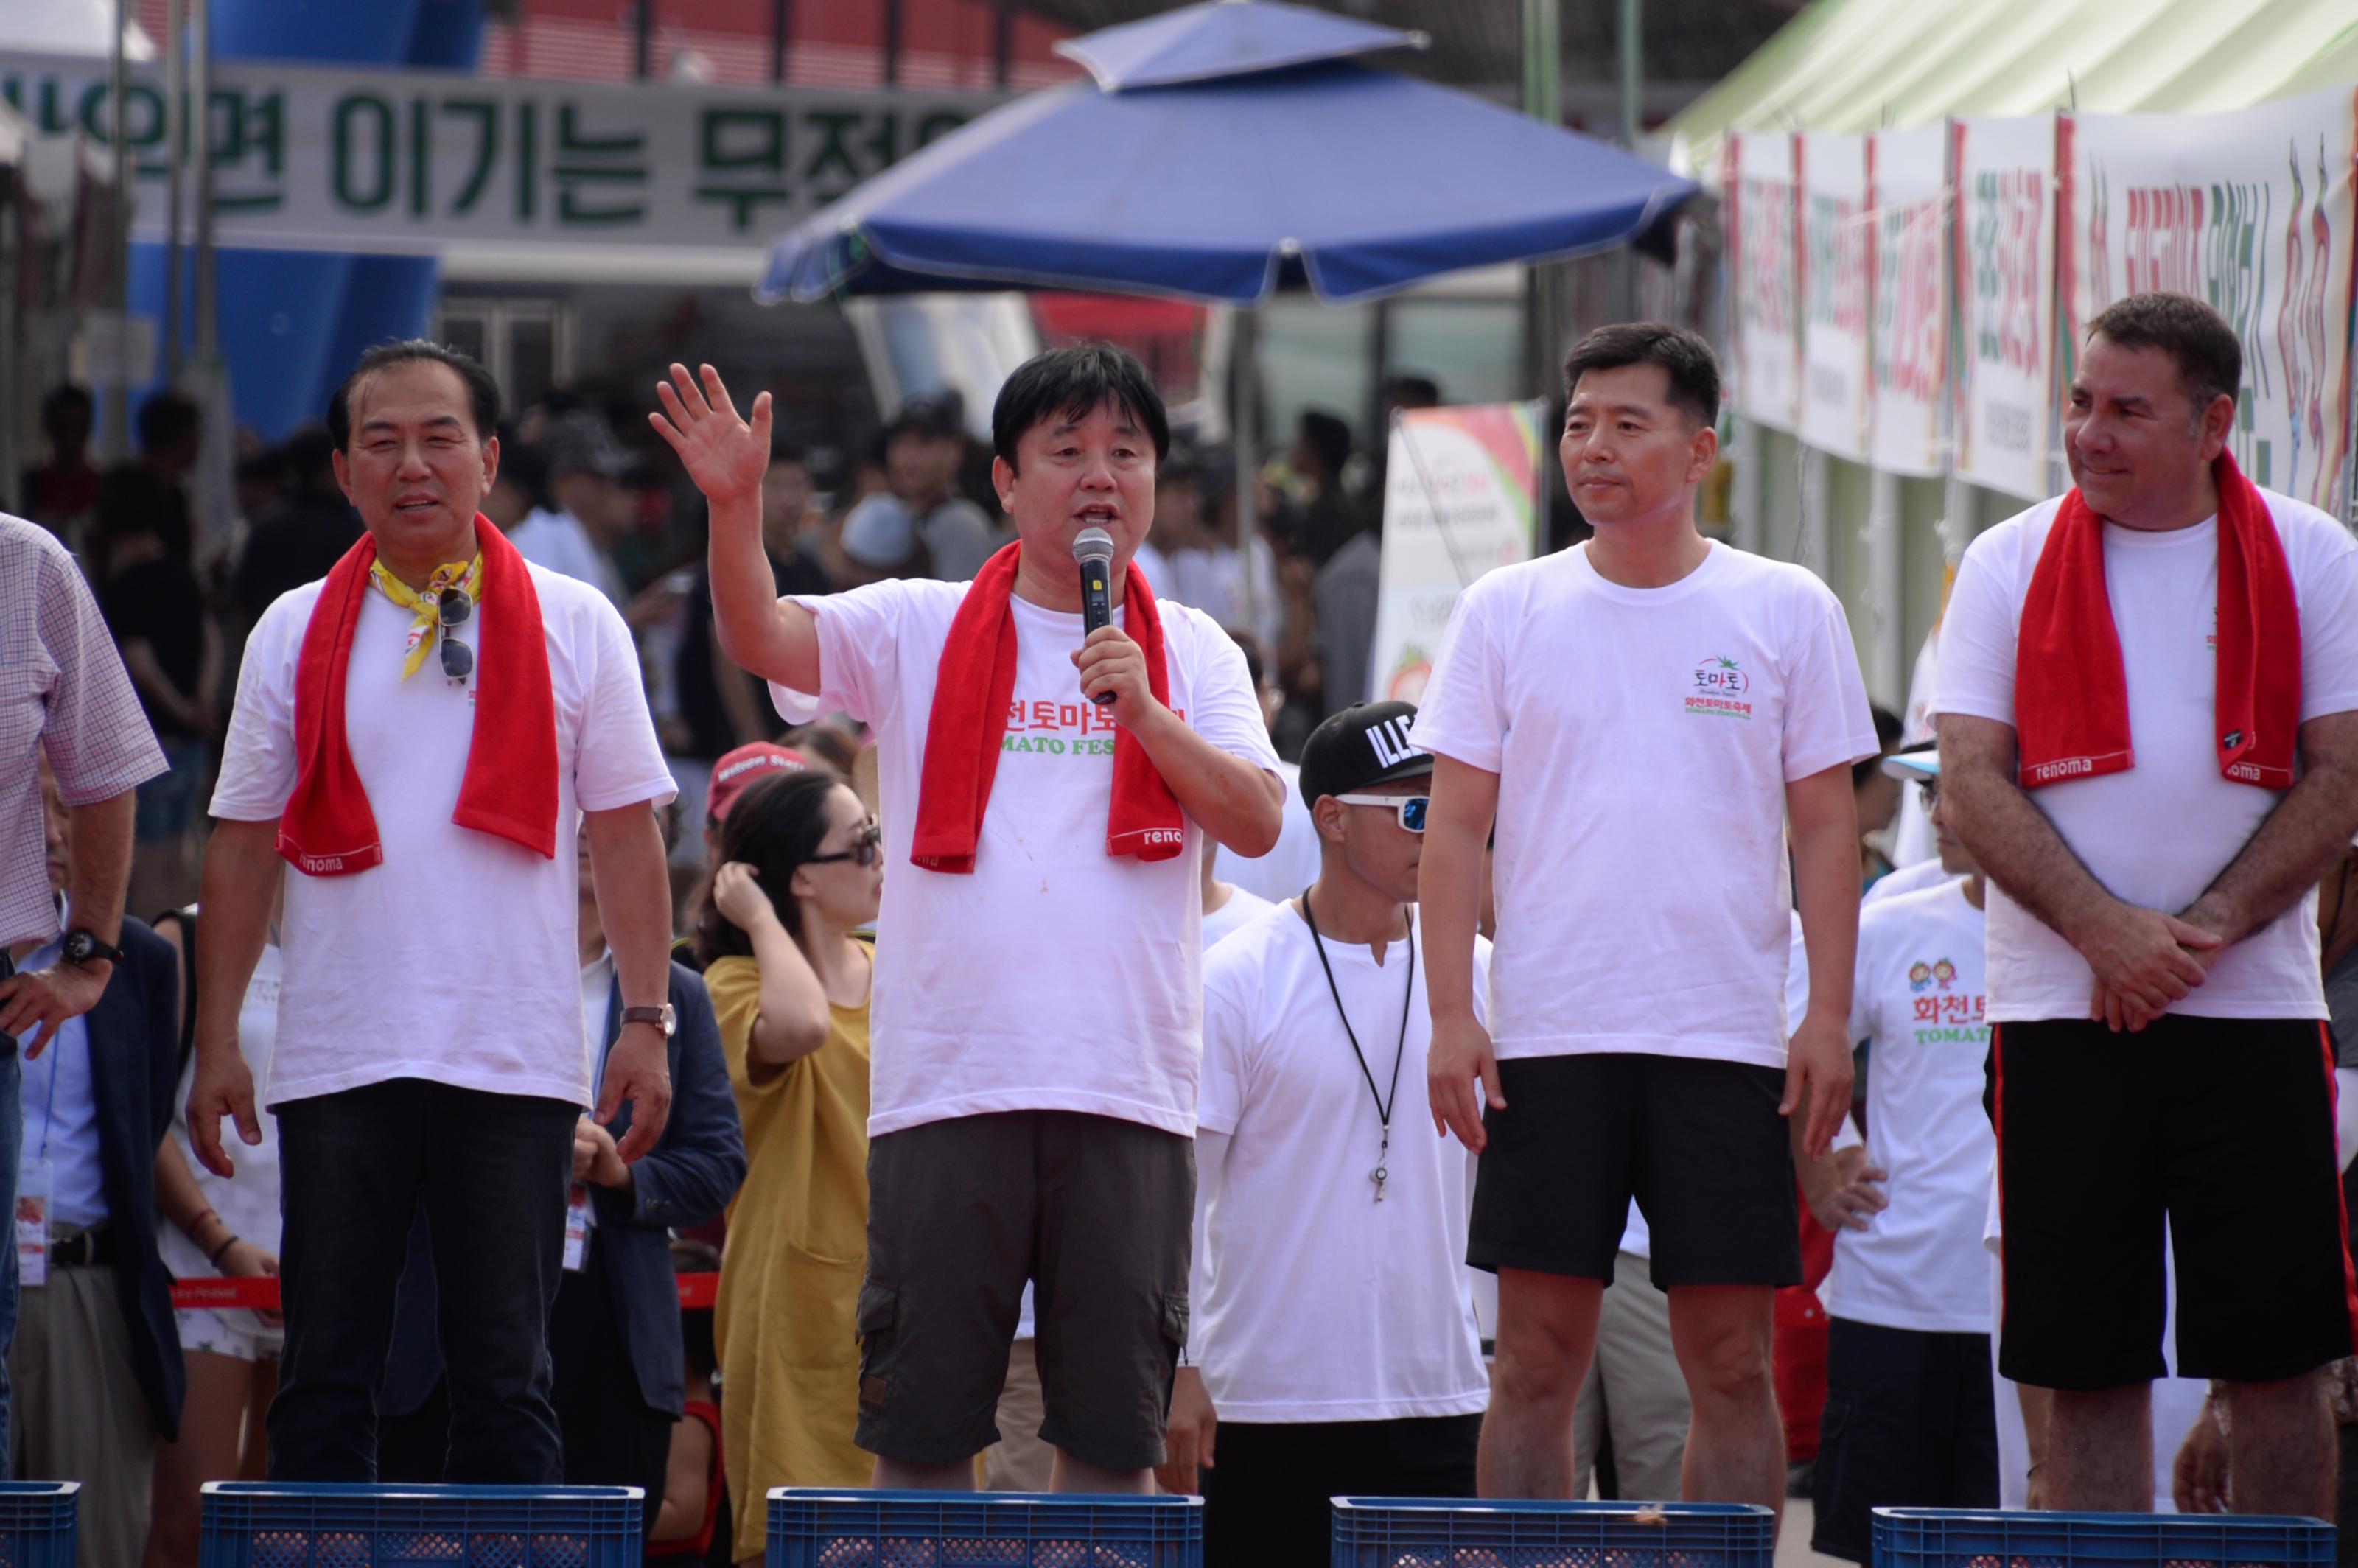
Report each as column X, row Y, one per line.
column 63, row 695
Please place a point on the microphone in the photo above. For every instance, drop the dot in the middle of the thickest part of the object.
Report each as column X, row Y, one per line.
column 1093, row 549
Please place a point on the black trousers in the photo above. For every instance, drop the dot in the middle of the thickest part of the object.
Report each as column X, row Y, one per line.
column 490, row 1171
column 611, row 1437
column 1266, row 1502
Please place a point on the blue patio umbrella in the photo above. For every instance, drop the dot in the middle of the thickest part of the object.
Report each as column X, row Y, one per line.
column 1220, row 152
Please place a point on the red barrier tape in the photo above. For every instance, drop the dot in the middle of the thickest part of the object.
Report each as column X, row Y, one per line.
column 695, row 1292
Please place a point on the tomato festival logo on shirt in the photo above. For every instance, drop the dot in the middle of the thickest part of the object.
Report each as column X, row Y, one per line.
column 1922, row 974
column 1063, row 728
column 1945, row 1017
column 1718, row 691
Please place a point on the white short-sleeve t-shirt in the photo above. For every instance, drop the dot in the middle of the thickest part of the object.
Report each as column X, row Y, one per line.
column 457, row 959
column 1918, row 996
column 1643, row 739
column 1054, row 977
column 1323, row 1303
column 2164, row 590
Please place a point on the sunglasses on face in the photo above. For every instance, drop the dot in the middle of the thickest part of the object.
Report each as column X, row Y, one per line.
column 1410, row 806
column 454, row 608
column 865, row 848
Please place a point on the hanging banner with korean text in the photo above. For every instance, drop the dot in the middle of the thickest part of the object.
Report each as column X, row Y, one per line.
column 2005, row 293
column 406, row 161
column 1907, row 193
column 1461, row 491
column 1767, row 293
column 2250, row 212
column 1834, row 250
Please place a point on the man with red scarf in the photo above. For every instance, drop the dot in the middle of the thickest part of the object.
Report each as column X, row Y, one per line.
column 418, row 736
column 1037, row 1022
column 2148, row 722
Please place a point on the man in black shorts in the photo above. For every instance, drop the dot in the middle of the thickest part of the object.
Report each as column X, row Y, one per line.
column 1641, row 716
column 2149, row 720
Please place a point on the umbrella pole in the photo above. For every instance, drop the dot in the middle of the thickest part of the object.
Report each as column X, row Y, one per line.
column 1244, row 418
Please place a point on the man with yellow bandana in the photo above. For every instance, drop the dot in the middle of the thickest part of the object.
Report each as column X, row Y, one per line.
column 431, row 1048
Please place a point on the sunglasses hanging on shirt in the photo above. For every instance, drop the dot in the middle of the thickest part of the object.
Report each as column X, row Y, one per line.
column 454, row 609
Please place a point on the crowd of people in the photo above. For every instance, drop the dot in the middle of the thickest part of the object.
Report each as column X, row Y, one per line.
column 1099, row 1051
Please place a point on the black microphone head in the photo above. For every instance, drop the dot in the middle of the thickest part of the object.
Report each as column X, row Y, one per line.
column 1093, row 545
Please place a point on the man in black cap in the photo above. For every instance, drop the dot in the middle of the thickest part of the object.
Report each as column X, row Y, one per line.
column 1333, row 1323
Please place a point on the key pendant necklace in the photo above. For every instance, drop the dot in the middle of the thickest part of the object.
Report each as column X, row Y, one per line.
column 1384, row 1103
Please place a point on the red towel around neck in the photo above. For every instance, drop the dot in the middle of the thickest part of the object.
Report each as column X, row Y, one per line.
column 509, row 787
column 973, row 689
column 2070, row 687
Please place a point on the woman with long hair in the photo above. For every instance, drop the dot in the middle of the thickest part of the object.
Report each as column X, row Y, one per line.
column 801, row 870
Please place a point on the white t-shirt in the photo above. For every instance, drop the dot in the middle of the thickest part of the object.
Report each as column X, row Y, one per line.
column 458, row 959
column 1918, row 996
column 1643, row 739
column 1054, row 977
column 559, row 541
column 1319, row 1303
column 1239, row 912
column 1908, row 879
column 1289, row 867
column 2164, row 590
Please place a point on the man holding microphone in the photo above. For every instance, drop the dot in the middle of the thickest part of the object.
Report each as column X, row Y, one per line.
column 1033, row 1102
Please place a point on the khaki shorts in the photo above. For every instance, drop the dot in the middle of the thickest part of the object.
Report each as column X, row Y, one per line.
column 1095, row 1211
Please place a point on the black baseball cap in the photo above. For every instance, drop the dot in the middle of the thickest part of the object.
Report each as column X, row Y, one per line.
column 1366, row 743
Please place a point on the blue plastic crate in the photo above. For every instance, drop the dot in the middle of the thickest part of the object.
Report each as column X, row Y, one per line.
column 1457, row 1532
column 816, row 1528
column 1957, row 1538
column 268, row 1524
column 37, row 1523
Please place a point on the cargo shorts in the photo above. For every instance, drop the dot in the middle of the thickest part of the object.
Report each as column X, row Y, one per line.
column 1094, row 1212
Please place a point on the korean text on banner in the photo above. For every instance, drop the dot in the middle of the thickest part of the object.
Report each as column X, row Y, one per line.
column 2250, row 212
column 1907, row 190
column 1767, row 277
column 1461, row 491
column 1834, row 251
column 406, row 161
column 2005, row 292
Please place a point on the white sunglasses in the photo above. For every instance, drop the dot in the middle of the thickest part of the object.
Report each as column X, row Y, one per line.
column 1410, row 806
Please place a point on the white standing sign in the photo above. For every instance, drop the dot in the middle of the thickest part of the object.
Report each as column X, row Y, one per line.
column 1908, row 187
column 2005, row 293
column 1836, row 246
column 1461, row 496
column 1766, row 292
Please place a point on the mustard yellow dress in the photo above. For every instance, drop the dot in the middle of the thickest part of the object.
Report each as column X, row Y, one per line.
column 790, row 1277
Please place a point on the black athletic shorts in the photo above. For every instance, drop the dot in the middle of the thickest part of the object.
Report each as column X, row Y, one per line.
column 1909, row 1423
column 1096, row 1211
column 1698, row 1144
column 2223, row 1127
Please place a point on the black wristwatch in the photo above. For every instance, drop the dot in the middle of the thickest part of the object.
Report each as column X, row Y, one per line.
column 82, row 948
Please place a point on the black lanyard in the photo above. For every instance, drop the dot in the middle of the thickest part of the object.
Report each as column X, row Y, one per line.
column 1379, row 1175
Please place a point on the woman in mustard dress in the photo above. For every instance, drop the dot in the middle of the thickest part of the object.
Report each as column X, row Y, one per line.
column 802, row 870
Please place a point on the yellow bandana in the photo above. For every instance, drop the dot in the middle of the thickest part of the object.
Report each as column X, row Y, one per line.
column 427, row 606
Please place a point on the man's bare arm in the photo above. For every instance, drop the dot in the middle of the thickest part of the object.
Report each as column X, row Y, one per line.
column 1457, row 823
column 101, row 836
column 2142, row 958
column 1824, row 811
column 241, row 880
column 2303, row 837
column 774, row 638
